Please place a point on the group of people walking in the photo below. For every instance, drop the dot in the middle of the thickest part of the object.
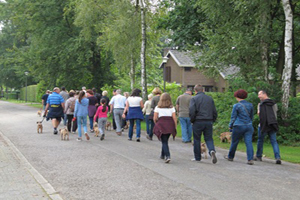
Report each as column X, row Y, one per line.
column 196, row 116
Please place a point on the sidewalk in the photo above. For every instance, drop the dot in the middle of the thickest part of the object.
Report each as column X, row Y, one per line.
column 18, row 177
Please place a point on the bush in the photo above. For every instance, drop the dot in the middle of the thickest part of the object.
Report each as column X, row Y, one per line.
column 31, row 93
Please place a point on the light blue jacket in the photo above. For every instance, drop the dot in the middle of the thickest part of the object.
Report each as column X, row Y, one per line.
column 81, row 109
column 240, row 116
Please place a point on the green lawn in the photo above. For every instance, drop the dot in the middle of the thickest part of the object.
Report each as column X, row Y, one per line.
column 288, row 153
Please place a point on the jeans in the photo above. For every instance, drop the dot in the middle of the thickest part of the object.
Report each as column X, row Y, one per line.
column 165, row 147
column 260, row 143
column 101, row 124
column 149, row 125
column 238, row 132
column 186, row 128
column 118, row 118
column 91, row 123
column 69, row 123
column 114, row 122
column 205, row 127
column 138, row 128
column 81, row 121
column 65, row 119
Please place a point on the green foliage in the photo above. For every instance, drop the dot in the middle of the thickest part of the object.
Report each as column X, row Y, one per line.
column 31, row 93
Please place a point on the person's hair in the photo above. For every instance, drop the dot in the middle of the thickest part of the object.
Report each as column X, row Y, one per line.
column 104, row 93
column 81, row 95
column 242, row 94
column 264, row 92
column 77, row 92
column 198, row 88
column 94, row 90
column 71, row 94
column 63, row 88
column 156, row 91
column 90, row 92
column 56, row 88
column 136, row 93
column 150, row 96
column 48, row 91
column 83, row 88
column 126, row 94
column 165, row 101
column 72, row 91
column 118, row 91
column 103, row 101
column 115, row 90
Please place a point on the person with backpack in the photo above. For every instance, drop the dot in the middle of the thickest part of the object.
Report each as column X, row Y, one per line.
column 241, row 126
column 101, row 114
column 69, row 111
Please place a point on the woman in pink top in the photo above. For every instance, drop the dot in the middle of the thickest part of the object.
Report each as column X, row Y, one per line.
column 101, row 114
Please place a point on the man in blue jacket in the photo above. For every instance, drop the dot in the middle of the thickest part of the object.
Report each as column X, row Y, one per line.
column 203, row 113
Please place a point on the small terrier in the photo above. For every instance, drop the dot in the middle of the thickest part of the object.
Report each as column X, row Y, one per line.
column 39, row 127
column 126, row 125
column 108, row 125
column 226, row 136
column 39, row 113
column 204, row 149
column 96, row 129
column 64, row 134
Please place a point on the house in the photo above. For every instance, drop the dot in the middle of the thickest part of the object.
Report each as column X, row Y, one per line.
column 180, row 67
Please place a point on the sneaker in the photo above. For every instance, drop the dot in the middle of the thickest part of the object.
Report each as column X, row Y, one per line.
column 250, row 162
column 168, row 159
column 73, row 132
column 213, row 157
column 227, row 158
column 79, row 139
column 278, row 161
column 129, row 139
column 55, row 132
column 162, row 157
column 87, row 136
column 102, row 137
column 257, row 158
column 92, row 131
column 194, row 160
column 148, row 137
column 119, row 133
column 138, row 139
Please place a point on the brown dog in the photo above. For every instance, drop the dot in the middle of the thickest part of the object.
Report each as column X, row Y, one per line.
column 39, row 113
column 126, row 125
column 204, row 149
column 108, row 125
column 64, row 134
column 226, row 136
column 39, row 127
column 96, row 129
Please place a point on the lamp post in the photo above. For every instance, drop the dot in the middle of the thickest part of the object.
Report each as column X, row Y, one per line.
column 165, row 60
column 26, row 74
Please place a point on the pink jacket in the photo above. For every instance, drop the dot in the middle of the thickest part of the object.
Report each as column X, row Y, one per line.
column 100, row 114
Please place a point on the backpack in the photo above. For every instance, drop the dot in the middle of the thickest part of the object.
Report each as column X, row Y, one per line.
column 72, row 106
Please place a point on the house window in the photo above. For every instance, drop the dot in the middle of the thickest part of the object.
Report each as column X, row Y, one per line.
column 168, row 74
column 208, row 88
column 187, row 69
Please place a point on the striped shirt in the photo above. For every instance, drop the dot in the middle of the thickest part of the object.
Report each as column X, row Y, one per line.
column 55, row 99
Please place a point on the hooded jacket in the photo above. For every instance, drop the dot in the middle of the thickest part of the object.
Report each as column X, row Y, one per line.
column 267, row 117
column 81, row 109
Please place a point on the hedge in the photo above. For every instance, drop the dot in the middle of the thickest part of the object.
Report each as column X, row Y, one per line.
column 31, row 93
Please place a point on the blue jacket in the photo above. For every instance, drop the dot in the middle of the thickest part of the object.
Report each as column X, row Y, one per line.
column 240, row 116
column 81, row 109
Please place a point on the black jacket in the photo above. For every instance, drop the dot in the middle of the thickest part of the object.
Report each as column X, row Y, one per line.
column 202, row 107
column 267, row 117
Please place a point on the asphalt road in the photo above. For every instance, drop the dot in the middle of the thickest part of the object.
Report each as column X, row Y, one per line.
column 120, row 169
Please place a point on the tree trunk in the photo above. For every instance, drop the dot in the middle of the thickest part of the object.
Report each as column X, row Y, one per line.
column 132, row 73
column 143, row 52
column 288, row 49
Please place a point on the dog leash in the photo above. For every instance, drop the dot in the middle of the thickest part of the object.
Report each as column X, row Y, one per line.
column 43, row 119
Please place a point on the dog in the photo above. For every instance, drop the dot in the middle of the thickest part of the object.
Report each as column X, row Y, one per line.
column 226, row 136
column 108, row 125
column 64, row 134
column 204, row 149
column 126, row 125
column 39, row 127
column 96, row 130
column 39, row 113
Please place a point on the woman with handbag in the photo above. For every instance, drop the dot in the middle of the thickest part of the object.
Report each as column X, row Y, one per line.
column 241, row 126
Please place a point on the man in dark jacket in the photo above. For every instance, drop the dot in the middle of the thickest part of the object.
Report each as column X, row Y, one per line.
column 203, row 113
column 268, row 125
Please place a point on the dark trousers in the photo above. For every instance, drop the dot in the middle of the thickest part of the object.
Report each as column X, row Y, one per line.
column 165, row 147
column 69, row 124
column 205, row 127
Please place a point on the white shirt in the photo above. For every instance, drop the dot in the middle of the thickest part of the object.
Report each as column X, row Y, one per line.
column 164, row 112
column 118, row 101
column 134, row 101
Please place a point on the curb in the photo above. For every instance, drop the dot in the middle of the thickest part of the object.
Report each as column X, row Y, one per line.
column 50, row 191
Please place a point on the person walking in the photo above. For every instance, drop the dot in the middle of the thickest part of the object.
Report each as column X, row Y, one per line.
column 93, row 103
column 203, row 113
column 44, row 99
column 134, row 106
column 65, row 95
column 56, row 106
column 165, row 124
column 241, row 126
column 147, row 112
column 182, row 107
column 101, row 114
column 117, row 104
column 268, row 125
column 69, row 110
column 80, row 114
column 111, row 110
